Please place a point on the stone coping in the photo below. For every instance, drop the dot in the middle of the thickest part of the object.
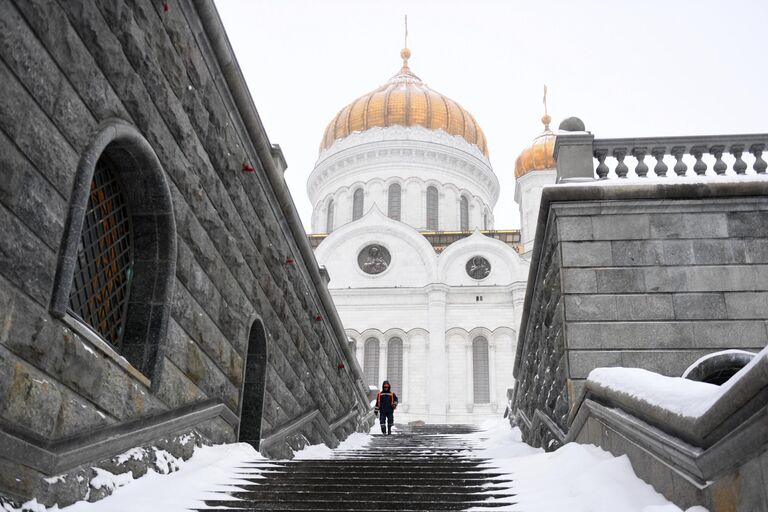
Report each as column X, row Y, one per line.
column 54, row 457
column 745, row 395
column 623, row 190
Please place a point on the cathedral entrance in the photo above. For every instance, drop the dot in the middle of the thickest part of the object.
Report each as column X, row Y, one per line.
column 254, row 386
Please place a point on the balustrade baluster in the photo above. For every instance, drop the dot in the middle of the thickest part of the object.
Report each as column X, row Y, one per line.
column 757, row 151
column 602, row 169
column 621, row 168
column 660, row 169
column 719, row 166
column 700, row 168
column 740, row 166
column 680, row 168
column 641, row 169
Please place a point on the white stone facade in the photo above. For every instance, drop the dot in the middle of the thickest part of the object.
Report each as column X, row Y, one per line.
column 528, row 198
column 414, row 158
column 423, row 301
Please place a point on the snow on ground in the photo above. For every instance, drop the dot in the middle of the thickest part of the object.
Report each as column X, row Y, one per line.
column 355, row 441
column 197, row 479
column 576, row 478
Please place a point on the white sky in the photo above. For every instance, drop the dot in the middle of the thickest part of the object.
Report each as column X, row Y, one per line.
column 641, row 68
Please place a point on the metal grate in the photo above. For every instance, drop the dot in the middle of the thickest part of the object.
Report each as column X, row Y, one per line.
column 395, row 366
column 104, row 266
column 394, row 201
column 371, row 361
column 480, row 374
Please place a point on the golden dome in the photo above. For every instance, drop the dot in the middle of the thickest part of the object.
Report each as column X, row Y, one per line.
column 406, row 101
column 540, row 154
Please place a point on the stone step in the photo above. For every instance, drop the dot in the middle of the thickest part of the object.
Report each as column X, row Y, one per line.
column 390, row 504
column 401, row 494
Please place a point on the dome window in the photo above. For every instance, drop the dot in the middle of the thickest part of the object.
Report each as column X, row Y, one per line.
column 394, row 201
column 464, row 213
column 329, row 217
column 357, row 204
column 432, row 209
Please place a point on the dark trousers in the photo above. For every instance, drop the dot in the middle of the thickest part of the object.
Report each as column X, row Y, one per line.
column 385, row 416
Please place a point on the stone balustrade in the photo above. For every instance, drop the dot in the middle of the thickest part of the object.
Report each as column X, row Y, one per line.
column 581, row 157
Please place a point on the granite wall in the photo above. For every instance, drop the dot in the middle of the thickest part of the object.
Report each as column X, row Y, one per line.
column 67, row 70
column 651, row 276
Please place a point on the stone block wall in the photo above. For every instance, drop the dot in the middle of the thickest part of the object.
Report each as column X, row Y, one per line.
column 65, row 69
column 650, row 276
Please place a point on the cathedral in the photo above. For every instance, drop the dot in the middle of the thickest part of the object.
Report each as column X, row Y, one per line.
column 429, row 290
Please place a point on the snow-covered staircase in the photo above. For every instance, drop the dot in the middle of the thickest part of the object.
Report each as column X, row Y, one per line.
column 417, row 468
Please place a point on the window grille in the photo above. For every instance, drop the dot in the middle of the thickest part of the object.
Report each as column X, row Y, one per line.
column 104, row 265
column 432, row 209
column 357, row 204
column 464, row 213
column 329, row 218
column 480, row 374
column 371, row 361
column 394, row 201
column 395, row 365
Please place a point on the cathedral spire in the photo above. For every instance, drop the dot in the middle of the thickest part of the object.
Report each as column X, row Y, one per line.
column 546, row 119
column 405, row 53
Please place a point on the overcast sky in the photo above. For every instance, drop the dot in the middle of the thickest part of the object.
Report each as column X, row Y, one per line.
column 640, row 68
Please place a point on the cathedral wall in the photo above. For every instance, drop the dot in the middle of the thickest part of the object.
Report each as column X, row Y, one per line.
column 69, row 71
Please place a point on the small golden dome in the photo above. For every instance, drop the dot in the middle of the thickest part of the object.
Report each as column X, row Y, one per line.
column 540, row 154
column 406, row 101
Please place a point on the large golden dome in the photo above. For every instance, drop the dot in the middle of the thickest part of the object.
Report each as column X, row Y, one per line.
column 406, row 101
column 539, row 155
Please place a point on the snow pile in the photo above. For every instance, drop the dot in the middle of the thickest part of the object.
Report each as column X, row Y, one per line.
column 681, row 396
column 576, row 478
column 355, row 441
column 210, row 471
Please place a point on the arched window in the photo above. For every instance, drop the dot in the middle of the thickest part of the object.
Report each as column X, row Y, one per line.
column 118, row 255
column 329, row 217
column 485, row 221
column 371, row 361
column 480, row 375
column 254, row 385
column 395, row 365
column 357, row 204
column 394, row 201
column 432, row 211
column 464, row 213
column 353, row 346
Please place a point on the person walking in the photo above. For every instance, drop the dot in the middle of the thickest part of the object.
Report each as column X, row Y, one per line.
column 386, row 403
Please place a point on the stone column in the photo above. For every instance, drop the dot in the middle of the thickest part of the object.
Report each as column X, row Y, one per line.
column 437, row 361
column 406, row 373
column 492, row 375
column 383, row 346
column 469, row 377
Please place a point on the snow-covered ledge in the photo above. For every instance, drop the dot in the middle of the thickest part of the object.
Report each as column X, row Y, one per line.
column 694, row 442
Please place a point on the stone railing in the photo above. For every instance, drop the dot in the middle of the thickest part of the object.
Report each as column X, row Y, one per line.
column 581, row 157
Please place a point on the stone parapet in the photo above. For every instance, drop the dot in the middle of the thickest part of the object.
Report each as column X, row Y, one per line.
column 651, row 276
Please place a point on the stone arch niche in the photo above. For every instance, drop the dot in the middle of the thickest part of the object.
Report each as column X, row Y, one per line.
column 254, row 386
column 119, row 153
